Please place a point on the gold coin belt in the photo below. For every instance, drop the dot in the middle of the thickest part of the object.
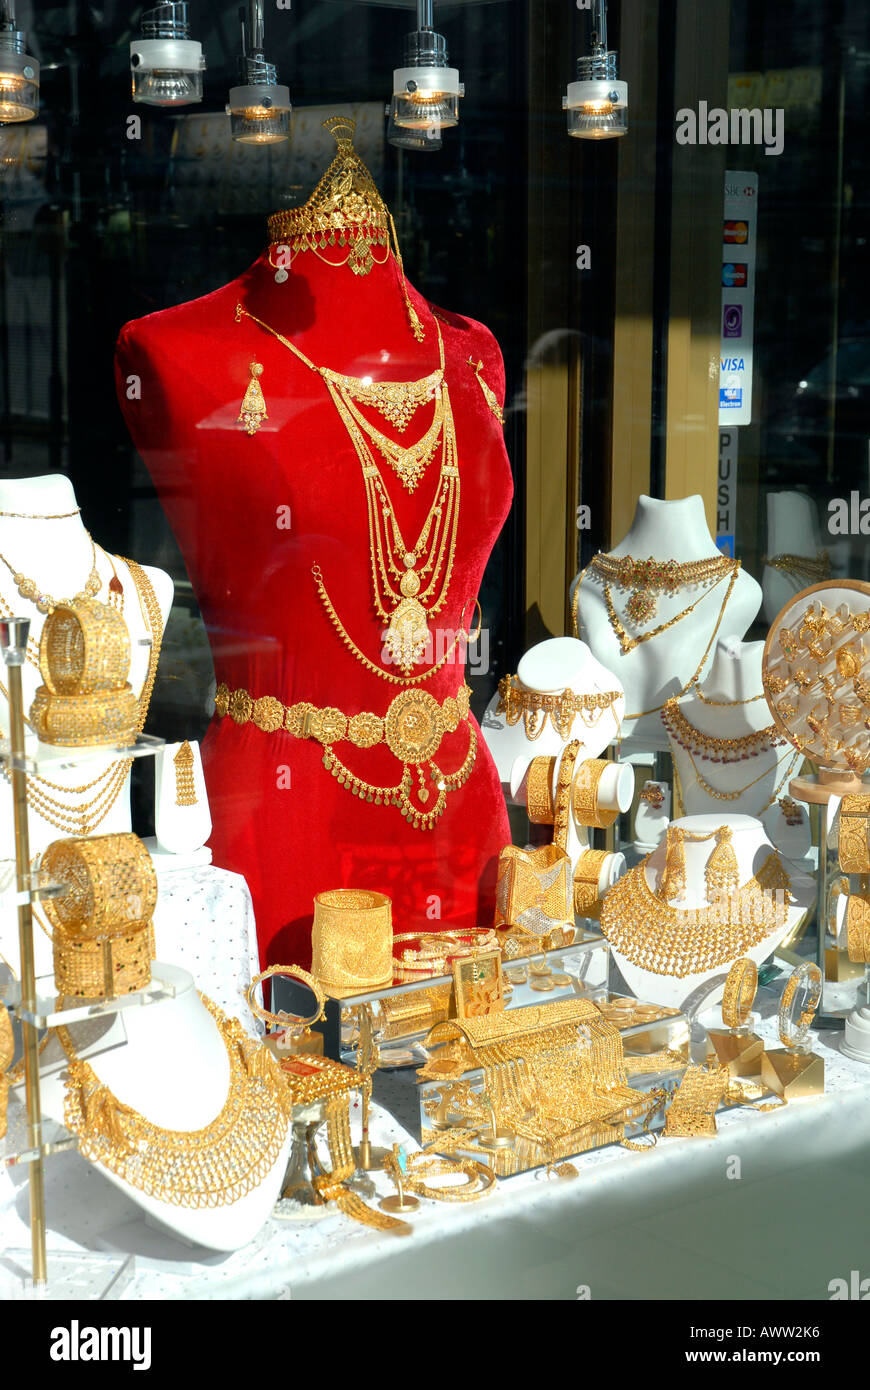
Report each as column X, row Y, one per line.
column 680, row 942
column 209, row 1167
column 412, row 728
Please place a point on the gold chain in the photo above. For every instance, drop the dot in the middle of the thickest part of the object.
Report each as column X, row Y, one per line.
column 44, row 602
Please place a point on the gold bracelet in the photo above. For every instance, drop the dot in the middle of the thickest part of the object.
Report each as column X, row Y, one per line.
column 110, row 885
column 84, row 648
column 85, row 968
column 539, row 791
column 858, row 927
column 793, row 1033
column 853, row 846
column 740, row 988
column 280, row 1020
column 352, row 940
column 106, row 717
column 587, row 877
column 585, row 795
column 562, row 803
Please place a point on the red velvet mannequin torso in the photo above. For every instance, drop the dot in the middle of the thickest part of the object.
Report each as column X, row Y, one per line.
column 226, row 495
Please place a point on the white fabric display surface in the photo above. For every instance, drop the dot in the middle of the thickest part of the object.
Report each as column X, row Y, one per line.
column 675, row 1223
column 663, row 665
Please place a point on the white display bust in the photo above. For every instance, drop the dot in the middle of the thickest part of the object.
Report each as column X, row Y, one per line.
column 730, row 703
column 792, row 529
column 57, row 554
column 558, row 664
column 663, row 665
column 752, row 848
column 168, row 1061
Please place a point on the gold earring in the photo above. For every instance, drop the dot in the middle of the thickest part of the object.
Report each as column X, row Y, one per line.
column 722, row 875
column 253, row 411
column 673, row 883
column 185, row 791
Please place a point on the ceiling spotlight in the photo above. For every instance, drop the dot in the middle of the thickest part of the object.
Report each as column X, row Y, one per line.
column 19, row 73
column 166, row 64
column 259, row 109
column 425, row 91
column 425, row 139
column 597, row 104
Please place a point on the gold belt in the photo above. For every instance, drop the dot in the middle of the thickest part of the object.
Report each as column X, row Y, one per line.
column 412, row 729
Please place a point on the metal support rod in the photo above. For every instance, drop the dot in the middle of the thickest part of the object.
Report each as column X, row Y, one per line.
column 257, row 26
column 599, row 24
column 425, row 14
column 30, row 1034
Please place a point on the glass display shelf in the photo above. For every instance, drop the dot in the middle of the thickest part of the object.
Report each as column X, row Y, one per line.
column 397, row 1021
column 16, row 1147
column 37, row 886
column 166, row 982
column 82, row 1276
column 45, row 759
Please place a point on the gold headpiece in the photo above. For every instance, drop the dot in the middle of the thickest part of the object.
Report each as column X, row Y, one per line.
column 344, row 218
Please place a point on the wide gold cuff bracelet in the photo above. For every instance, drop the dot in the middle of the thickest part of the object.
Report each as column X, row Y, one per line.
column 352, row 941
column 88, row 969
column 854, row 849
column 858, row 927
column 78, row 721
column 85, row 647
column 110, row 885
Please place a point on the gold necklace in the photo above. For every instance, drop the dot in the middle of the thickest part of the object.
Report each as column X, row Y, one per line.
column 727, row 704
column 718, row 750
column 648, row 578
column 30, row 590
column 672, row 941
column 409, row 584
column 733, row 796
column 411, row 462
column 209, row 1167
column 802, row 568
column 627, row 643
column 397, row 401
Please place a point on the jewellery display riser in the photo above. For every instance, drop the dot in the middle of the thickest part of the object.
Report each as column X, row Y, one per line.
column 522, row 1155
column 47, row 759
column 293, row 997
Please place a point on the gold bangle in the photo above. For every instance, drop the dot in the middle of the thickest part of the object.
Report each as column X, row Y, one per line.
column 585, row 795
column 587, row 877
column 84, row 648
column 539, row 791
column 793, row 1032
column 352, row 940
column 80, row 721
column 564, row 781
column 85, row 968
column 853, row 847
column 278, row 1020
column 858, row 927
column 110, row 885
column 740, row 988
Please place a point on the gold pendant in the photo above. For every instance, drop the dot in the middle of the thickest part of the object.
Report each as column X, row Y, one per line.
column 253, row 411
column 407, row 637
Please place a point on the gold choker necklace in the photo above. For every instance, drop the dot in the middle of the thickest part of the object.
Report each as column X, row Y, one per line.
column 517, row 702
column 209, row 1167
column 648, row 578
column 672, row 941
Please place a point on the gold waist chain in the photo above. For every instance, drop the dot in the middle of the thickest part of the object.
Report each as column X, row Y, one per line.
column 412, row 728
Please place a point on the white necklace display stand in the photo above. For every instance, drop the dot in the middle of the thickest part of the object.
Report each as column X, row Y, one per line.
column 57, row 555
column 560, row 663
column 752, row 847
column 181, row 831
column 651, row 822
column 170, row 1064
column 663, row 666
column 792, row 529
column 734, row 683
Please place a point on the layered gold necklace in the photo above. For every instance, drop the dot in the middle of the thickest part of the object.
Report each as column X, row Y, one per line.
column 718, row 750
column 672, row 941
column 409, row 582
column 209, row 1167
column 646, row 579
